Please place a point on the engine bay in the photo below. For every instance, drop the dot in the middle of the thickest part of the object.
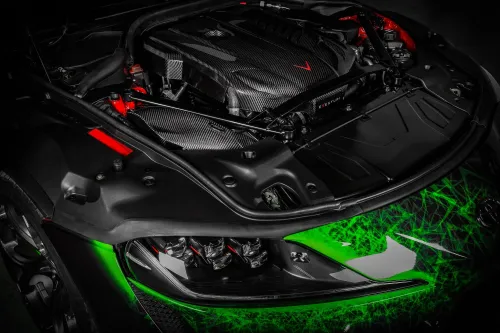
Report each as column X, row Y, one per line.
column 335, row 104
column 216, row 80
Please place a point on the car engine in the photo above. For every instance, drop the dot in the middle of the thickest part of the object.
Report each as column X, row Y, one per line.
column 228, row 78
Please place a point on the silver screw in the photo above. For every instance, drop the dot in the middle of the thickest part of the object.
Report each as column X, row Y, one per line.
column 100, row 176
column 427, row 67
column 348, row 107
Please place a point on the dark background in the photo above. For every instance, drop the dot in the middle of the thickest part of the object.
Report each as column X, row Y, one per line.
column 472, row 26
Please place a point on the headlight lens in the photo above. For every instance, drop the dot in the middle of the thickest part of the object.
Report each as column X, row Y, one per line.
column 238, row 269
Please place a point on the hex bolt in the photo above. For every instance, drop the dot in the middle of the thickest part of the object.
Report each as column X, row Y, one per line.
column 427, row 67
column 348, row 107
column 114, row 96
column 100, row 176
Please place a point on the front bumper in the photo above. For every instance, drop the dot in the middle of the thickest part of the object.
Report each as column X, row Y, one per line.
column 432, row 236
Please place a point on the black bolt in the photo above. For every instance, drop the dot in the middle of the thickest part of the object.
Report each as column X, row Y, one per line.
column 312, row 188
column 149, row 180
column 114, row 96
column 229, row 181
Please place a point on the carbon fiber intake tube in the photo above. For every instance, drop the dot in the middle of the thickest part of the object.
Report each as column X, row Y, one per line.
column 105, row 69
column 233, row 104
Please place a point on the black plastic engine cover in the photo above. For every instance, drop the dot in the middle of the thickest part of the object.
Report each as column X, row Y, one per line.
column 258, row 59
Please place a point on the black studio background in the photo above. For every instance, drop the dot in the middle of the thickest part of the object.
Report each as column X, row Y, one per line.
column 472, row 26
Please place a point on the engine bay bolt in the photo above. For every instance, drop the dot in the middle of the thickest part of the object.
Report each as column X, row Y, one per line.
column 114, row 96
column 47, row 95
column 387, row 88
column 427, row 67
column 118, row 165
column 148, row 180
column 312, row 188
column 348, row 107
column 229, row 181
column 304, row 130
column 249, row 154
column 455, row 91
column 100, row 176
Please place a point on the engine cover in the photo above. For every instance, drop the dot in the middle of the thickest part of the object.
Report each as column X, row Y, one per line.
column 248, row 59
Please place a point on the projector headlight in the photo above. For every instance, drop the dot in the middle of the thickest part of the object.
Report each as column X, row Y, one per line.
column 204, row 269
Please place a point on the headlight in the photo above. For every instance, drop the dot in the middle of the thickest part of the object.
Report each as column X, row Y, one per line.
column 204, row 269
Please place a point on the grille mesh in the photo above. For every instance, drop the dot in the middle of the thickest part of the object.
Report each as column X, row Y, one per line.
column 167, row 319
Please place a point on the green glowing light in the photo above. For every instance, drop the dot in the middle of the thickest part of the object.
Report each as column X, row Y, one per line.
column 443, row 214
column 107, row 256
column 323, row 317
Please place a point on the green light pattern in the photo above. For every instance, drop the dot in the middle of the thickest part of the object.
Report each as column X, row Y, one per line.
column 443, row 214
column 323, row 317
column 106, row 254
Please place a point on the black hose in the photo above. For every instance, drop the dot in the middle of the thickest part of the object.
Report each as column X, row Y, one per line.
column 169, row 14
column 105, row 69
column 351, row 90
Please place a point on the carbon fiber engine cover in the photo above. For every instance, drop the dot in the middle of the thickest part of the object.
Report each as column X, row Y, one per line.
column 250, row 59
column 188, row 131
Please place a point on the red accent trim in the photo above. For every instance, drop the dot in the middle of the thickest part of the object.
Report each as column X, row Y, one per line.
column 112, row 143
column 243, row 3
column 194, row 250
column 135, row 69
column 155, row 249
column 307, row 67
column 405, row 37
column 140, row 89
column 119, row 106
column 46, row 220
column 231, row 249
column 388, row 25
